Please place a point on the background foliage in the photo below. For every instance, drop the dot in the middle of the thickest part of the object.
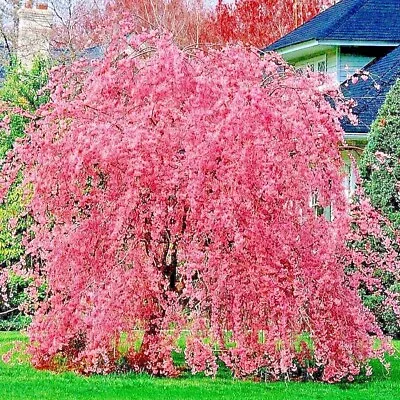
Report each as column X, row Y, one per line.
column 380, row 167
column 380, row 173
column 21, row 94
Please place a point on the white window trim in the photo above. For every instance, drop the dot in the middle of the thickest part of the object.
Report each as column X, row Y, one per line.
column 349, row 181
column 319, row 211
column 313, row 61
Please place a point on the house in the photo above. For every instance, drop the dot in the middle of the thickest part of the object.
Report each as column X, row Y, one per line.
column 34, row 30
column 33, row 35
column 35, row 23
column 350, row 36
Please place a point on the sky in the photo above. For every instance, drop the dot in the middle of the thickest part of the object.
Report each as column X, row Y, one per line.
column 212, row 3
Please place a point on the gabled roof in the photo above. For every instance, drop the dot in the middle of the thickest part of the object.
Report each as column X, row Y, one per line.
column 354, row 20
column 370, row 94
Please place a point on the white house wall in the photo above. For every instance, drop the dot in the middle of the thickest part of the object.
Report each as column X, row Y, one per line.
column 329, row 56
column 350, row 62
column 332, row 63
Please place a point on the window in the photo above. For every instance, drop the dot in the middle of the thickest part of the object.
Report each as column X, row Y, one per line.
column 349, row 183
column 316, row 64
column 319, row 210
column 322, row 66
column 349, row 180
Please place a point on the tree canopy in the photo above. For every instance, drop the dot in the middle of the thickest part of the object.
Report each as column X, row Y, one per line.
column 380, row 167
column 20, row 96
column 171, row 192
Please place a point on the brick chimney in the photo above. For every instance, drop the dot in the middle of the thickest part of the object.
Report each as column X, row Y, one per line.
column 34, row 29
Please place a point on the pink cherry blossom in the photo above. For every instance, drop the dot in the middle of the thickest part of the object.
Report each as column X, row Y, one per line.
column 171, row 193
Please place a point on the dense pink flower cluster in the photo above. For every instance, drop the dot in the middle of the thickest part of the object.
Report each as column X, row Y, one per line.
column 172, row 192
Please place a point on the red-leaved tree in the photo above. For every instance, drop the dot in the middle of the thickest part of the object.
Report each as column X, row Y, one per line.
column 84, row 24
column 259, row 22
column 183, row 19
column 171, row 192
column 190, row 22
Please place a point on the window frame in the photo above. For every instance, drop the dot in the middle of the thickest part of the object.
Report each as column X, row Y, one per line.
column 314, row 61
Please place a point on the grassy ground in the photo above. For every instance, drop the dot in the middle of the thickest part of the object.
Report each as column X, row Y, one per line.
column 20, row 381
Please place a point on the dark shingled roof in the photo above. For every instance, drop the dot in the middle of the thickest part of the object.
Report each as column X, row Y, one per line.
column 366, row 20
column 91, row 53
column 383, row 72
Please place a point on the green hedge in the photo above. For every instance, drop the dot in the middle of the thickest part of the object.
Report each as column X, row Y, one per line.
column 380, row 173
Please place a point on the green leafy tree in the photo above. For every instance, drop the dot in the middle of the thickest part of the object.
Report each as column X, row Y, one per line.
column 21, row 92
column 380, row 173
column 380, row 166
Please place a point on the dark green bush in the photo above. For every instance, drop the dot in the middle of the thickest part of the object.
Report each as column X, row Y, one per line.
column 380, row 173
column 380, row 166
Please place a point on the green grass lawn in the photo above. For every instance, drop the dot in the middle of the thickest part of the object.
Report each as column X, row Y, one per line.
column 20, row 381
